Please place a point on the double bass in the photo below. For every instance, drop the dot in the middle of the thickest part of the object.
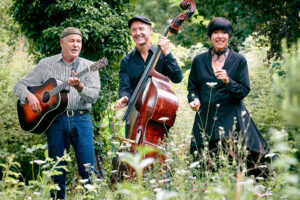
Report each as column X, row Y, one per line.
column 152, row 108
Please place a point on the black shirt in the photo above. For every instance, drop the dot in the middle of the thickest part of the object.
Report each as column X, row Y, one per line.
column 222, row 109
column 132, row 67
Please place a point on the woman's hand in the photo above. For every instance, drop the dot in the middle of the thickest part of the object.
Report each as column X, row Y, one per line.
column 195, row 105
column 163, row 42
column 221, row 74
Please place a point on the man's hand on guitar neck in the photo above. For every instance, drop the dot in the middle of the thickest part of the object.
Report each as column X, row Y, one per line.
column 34, row 103
column 75, row 82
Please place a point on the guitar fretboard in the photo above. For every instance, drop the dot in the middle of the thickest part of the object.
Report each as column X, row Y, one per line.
column 59, row 88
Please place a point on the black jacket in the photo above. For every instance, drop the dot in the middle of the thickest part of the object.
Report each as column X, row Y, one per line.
column 132, row 67
column 222, row 109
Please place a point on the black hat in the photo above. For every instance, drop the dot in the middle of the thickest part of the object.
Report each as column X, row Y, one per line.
column 144, row 19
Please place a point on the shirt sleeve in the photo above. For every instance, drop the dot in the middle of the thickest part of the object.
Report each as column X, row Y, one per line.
column 172, row 69
column 240, row 87
column 91, row 88
column 192, row 88
column 33, row 78
column 124, row 81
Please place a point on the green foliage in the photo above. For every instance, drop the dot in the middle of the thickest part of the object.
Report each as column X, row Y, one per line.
column 286, row 166
column 291, row 100
column 9, row 30
column 275, row 20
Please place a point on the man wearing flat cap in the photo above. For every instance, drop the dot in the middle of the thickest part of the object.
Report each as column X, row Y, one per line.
column 133, row 64
column 74, row 125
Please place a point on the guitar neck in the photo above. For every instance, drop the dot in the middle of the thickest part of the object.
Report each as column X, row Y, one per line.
column 59, row 88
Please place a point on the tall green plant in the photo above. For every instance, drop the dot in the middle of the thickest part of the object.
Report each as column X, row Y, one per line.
column 291, row 100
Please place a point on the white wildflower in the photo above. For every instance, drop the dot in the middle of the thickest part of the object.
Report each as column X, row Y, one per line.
column 87, row 165
column 262, row 166
column 152, row 181
column 218, row 105
column 157, row 189
column 36, row 193
column 189, row 136
column 122, row 147
column 244, row 112
column 163, row 194
column 83, row 180
column 211, row 84
column 126, row 176
column 163, row 119
column 114, row 171
column 164, row 181
column 270, row 155
column 115, row 142
column 194, row 164
column 181, row 171
column 247, row 182
column 128, row 145
column 89, row 187
column 39, row 162
column 263, row 194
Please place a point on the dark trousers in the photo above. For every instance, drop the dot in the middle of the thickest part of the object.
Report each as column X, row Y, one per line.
column 77, row 131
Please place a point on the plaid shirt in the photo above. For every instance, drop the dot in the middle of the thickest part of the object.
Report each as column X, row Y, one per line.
column 56, row 67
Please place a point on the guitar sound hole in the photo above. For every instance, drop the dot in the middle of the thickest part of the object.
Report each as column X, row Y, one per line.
column 46, row 97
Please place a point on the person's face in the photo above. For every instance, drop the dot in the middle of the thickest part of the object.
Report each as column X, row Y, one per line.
column 219, row 39
column 140, row 32
column 71, row 47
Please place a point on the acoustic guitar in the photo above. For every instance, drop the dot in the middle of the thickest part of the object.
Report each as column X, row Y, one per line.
column 52, row 100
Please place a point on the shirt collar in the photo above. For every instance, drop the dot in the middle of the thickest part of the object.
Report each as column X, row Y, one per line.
column 152, row 49
column 60, row 59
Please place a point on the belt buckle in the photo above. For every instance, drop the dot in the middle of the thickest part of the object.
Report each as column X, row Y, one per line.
column 70, row 113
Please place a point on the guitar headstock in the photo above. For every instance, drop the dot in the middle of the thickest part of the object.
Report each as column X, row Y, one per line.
column 99, row 64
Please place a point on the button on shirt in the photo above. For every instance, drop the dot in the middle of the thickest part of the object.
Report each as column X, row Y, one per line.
column 56, row 67
column 133, row 65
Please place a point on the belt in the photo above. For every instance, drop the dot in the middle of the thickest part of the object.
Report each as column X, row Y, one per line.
column 72, row 113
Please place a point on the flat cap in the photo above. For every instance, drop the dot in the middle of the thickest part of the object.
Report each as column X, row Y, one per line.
column 69, row 31
column 144, row 19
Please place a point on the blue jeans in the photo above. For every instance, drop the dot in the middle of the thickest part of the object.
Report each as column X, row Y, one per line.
column 78, row 131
